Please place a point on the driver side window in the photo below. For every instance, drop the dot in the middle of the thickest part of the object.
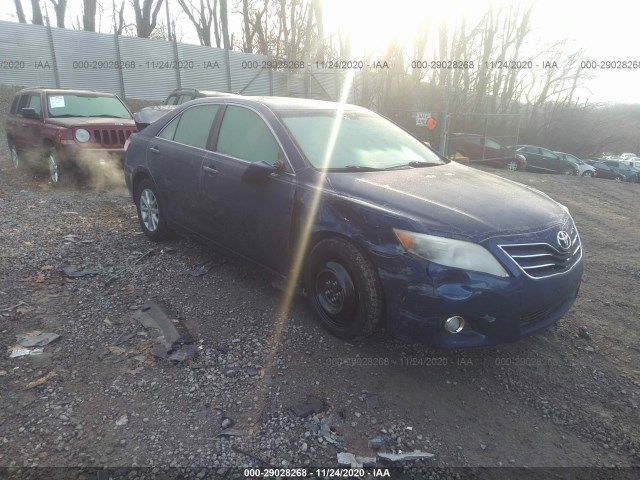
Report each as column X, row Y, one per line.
column 244, row 135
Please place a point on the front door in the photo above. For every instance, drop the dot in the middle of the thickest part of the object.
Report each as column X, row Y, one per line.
column 253, row 219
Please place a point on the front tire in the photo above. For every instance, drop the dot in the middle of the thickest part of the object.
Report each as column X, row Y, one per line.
column 344, row 289
column 151, row 211
column 15, row 157
column 618, row 179
column 588, row 173
column 54, row 166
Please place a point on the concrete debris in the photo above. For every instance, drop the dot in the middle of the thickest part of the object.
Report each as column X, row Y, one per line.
column 403, row 457
column 310, row 406
column 36, row 339
column 73, row 272
column 171, row 340
column 346, row 459
column 19, row 351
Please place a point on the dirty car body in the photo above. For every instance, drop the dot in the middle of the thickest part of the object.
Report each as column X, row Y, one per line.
column 401, row 238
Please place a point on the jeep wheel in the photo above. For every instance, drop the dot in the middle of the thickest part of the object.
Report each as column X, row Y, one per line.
column 54, row 166
column 15, row 158
column 512, row 165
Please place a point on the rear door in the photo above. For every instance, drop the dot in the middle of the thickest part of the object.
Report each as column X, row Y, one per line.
column 175, row 157
column 253, row 219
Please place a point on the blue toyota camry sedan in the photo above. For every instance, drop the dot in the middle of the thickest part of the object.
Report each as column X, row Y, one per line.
column 378, row 229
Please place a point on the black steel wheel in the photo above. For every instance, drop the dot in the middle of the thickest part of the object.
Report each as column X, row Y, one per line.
column 344, row 289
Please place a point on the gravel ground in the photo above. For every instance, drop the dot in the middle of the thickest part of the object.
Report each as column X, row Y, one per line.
column 565, row 397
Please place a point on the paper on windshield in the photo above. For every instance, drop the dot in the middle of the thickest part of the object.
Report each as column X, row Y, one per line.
column 56, row 101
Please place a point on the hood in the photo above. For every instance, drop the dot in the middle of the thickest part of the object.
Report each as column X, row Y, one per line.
column 453, row 200
column 146, row 116
column 82, row 122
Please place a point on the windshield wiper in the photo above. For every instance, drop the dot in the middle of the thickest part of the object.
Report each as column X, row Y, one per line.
column 67, row 115
column 354, row 168
column 413, row 164
column 104, row 115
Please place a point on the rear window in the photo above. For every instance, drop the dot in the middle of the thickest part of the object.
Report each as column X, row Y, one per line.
column 14, row 104
column 85, row 105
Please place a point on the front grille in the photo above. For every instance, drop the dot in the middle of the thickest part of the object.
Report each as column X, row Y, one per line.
column 540, row 260
column 111, row 137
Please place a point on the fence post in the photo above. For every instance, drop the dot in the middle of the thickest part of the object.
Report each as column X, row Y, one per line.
column 226, row 59
column 123, row 93
column 56, row 74
column 177, row 60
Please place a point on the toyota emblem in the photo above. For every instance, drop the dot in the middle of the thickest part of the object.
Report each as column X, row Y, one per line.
column 564, row 240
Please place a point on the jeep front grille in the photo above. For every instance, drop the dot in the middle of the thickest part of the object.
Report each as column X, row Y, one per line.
column 540, row 260
column 111, row 137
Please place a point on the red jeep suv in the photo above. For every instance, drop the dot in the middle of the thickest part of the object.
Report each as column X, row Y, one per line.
column 61, row 129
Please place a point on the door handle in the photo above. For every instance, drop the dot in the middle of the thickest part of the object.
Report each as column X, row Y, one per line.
column 154, row 149
column 210, row 170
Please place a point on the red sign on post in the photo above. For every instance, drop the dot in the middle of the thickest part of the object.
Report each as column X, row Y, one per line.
column 431, row 123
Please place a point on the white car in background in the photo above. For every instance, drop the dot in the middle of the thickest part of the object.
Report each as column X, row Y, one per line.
column 625, row 156
column 633, row 162
column 584, row 169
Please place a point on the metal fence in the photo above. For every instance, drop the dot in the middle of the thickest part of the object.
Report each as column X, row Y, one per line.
column 35, row 55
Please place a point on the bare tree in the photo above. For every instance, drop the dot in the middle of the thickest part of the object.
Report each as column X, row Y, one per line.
column 146, row 14
column 89, row 15
column 224, row 25
column 118, row 17
column 36, row 17
column 20, row 11
column 201, row 16
column 60, row 7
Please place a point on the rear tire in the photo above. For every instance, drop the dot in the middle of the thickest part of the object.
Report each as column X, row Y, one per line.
column 588, row 174
column 618, row 179
column 344, row 289
column 151, row 211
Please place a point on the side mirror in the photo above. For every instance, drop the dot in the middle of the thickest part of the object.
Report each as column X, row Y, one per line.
column 30, row 113
column 258, row 172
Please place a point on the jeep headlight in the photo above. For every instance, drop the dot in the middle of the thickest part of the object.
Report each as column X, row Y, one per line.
column 82, row 135
column 451, row 253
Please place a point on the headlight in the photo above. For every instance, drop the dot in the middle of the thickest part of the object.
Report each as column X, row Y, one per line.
column 82, row 135
column 451, row 253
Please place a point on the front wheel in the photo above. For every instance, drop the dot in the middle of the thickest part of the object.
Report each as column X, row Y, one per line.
column 588, row 173
column 344, row 289
column 618, row 179
column 150, row 211
column 54, row 166
column 512, row 165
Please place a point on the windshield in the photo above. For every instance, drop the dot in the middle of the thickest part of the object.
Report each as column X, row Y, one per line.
column 74, row 105
column 365, row 141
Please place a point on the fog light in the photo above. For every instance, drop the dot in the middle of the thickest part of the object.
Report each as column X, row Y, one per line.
column 454, row 324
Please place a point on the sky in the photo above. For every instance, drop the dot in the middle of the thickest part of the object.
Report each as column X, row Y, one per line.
column 607, row 33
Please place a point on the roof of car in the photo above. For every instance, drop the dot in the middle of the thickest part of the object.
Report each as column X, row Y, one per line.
column 290, row 103
column 63, row 91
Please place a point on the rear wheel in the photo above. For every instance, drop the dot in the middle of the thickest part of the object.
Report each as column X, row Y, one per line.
column 151, row 211
column 618, row 178
column 512, row 165
column 588, row 173
column 343, row 289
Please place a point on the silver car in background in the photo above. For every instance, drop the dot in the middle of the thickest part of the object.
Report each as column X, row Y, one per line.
column 584, row 169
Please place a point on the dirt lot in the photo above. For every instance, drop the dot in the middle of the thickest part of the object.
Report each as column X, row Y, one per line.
column 566, row 397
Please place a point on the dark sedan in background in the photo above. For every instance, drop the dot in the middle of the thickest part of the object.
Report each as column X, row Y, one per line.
column 605, row 171
column 378, row 229
column 543, row 160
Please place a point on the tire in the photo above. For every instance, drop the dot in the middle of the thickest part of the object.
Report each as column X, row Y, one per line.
column 15, row 156
column 151, row 211
column 588, row 174
column 512, row 165
column 618, row 179
column 54, row 166
column 343, row 289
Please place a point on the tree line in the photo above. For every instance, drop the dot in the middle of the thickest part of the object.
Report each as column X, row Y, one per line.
column 536, row 97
